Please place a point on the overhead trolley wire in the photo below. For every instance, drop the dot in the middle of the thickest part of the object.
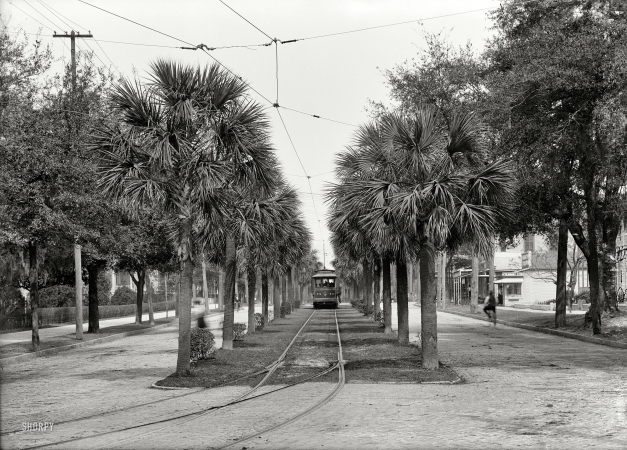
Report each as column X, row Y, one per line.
column 255, row 26
column 385, row 26
column 136, row 23
column 206, row 49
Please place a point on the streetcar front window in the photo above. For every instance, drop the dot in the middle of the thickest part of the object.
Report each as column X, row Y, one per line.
column 325, row 282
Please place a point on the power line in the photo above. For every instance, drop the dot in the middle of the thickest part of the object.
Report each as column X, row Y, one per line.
column 45, row 26
column 49, row 9
column 234, row 74
column 316, row 116
column 60, row 16
column 259, row 29
column 387, row 25
column 38, row 12
column 136, row 23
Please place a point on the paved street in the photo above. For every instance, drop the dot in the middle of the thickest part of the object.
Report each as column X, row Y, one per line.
column 523, row 390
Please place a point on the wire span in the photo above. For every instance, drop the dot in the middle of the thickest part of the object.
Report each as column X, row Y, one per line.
column 259, row 29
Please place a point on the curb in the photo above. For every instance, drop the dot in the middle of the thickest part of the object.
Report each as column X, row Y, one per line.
column 168, row 388
column 53, row 351
column 566, row 334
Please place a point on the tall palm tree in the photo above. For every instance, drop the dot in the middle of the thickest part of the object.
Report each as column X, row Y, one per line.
column 446, row 197
column 183, row 141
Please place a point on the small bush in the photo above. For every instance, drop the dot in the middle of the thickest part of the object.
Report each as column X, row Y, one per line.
column 286, row 309
column 296, row 304
column 239, row 330
column 201, row 343
column 381, row 319
column 124, row 296
column 583, row 296
column 59, row 296
column 259, row 322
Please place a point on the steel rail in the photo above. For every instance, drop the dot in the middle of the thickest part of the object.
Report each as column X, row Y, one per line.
column 336, row 390
column 271, row 368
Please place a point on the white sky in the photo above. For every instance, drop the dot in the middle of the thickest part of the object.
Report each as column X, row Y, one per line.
column 332, row 77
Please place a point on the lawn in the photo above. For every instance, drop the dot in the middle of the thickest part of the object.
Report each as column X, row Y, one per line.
column 371, row 356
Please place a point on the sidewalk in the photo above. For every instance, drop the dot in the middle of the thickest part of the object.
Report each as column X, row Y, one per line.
column 63, row 330
column 16, row 347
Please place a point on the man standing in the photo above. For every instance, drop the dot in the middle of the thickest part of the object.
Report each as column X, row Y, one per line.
column 491, row 306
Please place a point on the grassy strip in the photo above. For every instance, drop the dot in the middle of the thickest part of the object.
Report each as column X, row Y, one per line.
column 376, row 357
column 614, row 328
column 20, row 348
column 248, row 356
column 372, row 356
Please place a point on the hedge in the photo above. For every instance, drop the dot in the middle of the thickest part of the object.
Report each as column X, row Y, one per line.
column 49, row 316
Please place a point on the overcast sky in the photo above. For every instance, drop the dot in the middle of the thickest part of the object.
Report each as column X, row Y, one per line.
column 332, row 77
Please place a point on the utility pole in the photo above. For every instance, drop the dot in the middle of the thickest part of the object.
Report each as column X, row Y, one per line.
column 77, row 248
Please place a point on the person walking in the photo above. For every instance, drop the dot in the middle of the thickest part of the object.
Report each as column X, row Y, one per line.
column 491, row 306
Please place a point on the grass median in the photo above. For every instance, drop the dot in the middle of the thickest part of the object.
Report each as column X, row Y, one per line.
column 371, row 356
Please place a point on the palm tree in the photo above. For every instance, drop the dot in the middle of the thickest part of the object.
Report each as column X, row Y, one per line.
column 183, row 141
column 446, row 197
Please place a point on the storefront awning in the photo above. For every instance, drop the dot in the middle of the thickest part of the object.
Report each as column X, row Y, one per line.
column 508, row 281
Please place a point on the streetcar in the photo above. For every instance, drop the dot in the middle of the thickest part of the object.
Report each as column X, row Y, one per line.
column 324, row 289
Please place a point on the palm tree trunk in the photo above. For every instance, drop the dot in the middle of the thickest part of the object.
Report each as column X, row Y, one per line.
column 377, row 287
column 229, row 291
column 33, row 275
column 418, row 282
column 474, row 284
column 387, row 295
column 438, row 261
column 443, row 271
column 205, row 288
column 165, row 282
column 94, row 314
column 251, row 281
column 562, row 259
column 221, row 289
column 185, row 316
column 283, row 281
column 368, row 286
column 428, row 310
column 177, row 306
column 151, row 313
column 276, row 297
column 401, row 301
column 264, row 297
column 290, row 287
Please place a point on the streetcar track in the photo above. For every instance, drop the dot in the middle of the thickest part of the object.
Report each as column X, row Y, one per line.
column 271, row 368
column 336, row 390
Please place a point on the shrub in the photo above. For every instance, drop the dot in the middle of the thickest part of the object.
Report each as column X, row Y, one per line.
column 239, row 330
column 59, row 296
column 296, row 304
column 201, row 344
column 286, row 309
column 584, row 296
column 381, row 319
column 11, row 300
column 124, row 296
column 259, row 323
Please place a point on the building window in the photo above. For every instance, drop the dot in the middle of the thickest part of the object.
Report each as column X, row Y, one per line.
column 529, row 243
column 122, row 279
column 513, row 289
